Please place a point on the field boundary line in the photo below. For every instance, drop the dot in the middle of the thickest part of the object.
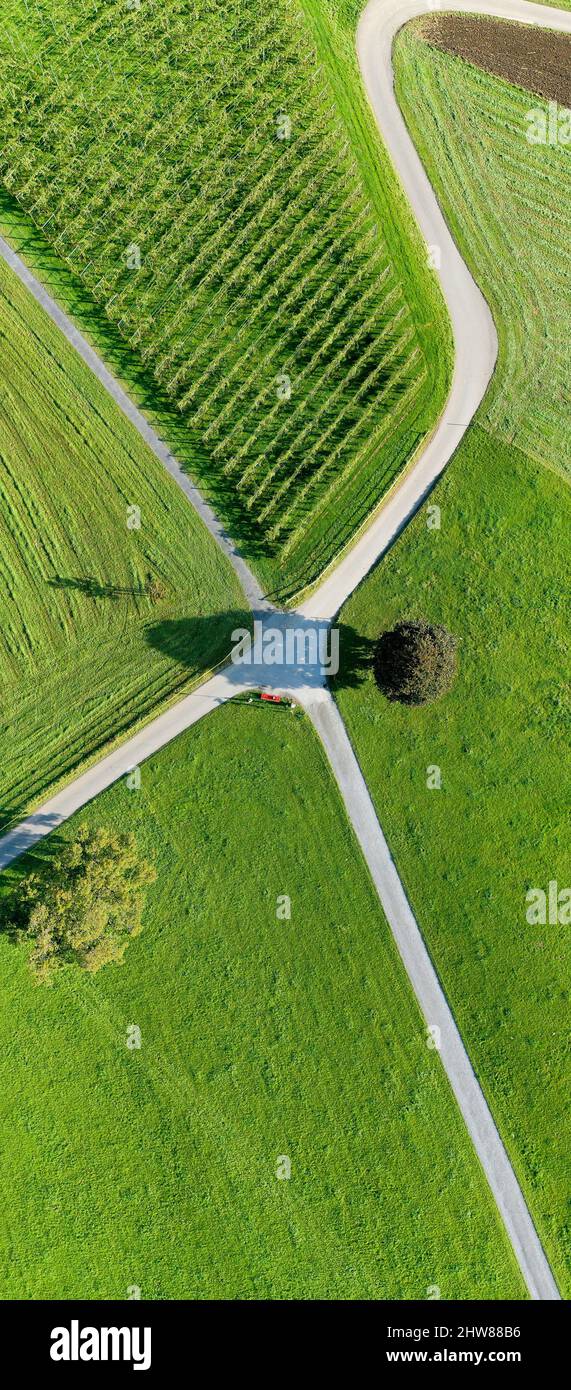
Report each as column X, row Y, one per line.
column 252, row 589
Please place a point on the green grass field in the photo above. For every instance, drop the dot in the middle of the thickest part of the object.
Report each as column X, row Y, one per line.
column 85, row 653
column 260, row 1038
column 470, row 129
column 263, row 259
column 496, row 575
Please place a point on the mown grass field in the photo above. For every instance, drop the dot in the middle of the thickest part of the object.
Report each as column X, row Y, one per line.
column 260, row 1038
column 242, row 230
column 496, row 575
column 507, row 202
column 85, row 650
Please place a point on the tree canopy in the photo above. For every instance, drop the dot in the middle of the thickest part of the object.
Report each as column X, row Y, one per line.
column 85, row 904
column 415, row 662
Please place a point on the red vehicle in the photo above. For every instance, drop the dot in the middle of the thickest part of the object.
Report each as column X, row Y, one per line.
column 275, row 699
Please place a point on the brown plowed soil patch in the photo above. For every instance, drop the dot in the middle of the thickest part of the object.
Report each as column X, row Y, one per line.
column 535, row 59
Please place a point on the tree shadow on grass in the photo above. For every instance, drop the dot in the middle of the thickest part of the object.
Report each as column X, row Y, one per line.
column 356, row 654
column 33, row 856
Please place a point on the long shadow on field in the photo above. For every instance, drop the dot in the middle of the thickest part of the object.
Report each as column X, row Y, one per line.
column 355, row 657
column 176, row 639
column 180, row 639
column 93, row 588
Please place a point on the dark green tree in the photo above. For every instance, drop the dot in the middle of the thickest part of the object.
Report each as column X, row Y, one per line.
column 415, row 662
column 84, row 906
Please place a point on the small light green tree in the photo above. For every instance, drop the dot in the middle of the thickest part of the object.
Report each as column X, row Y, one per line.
column 85, row 906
